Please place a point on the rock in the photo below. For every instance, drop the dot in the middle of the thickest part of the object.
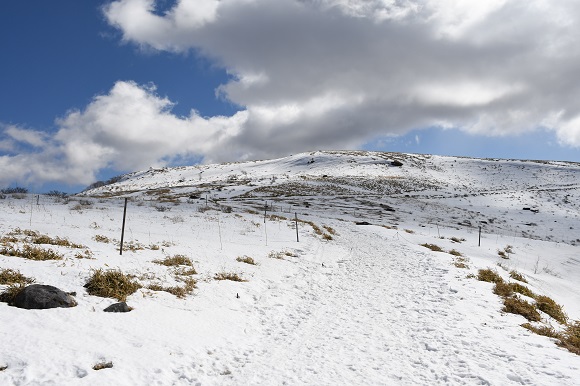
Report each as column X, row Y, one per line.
column 118, row 307
column 41, row 297
column 362, row 223
column 396, row 163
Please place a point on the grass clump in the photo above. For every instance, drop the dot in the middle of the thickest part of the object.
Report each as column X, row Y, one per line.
column 103, row 365
column 182, row 271
column 111, row 284
column 542, row 330
column 570, row 338
column 102, row 239
column 180, row 291
column 330, row 230
column 455, row 252
column 228, row 276
column 433, row 247
column 327, row 237
column 31, row 253
column 489, row 276
column 518, row 276
column 521, row 307
column 10, row 276
column 63, row 242
column 246, row 259
column 281, row 254
column 456, row 240
column 550, row 307
column 173, row 261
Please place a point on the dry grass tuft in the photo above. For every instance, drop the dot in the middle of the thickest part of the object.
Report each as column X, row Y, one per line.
column 10, row 276
column 518, row 276
column 456, row 240
column 327, row 237
column 521, row 307
column 246, row 259
column 228, row 276
column 455, row 252
column 570, row 338
column 180, row 291
column 433, row 247
column 330, row 230
column 173, row 261
column 182, row 271
column 111, row 284
column 101, row 239
column 509, row 289
column 489, row 276
column 63, row 242
column 550, row 307
column 542, row 330
column 103, row 365
column 410, row 231
column 31, row 253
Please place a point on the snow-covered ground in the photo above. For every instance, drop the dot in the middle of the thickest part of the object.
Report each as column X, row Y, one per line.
column 370, row 306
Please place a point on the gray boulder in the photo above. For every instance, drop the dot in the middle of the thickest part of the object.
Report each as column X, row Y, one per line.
column 118, row 307
column 41, row 297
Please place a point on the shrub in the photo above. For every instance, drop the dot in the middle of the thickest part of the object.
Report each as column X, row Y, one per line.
column 518, row 276
column 460, row 264
column 327, row 237
column 228, row 276
column 433, row 247
column 521, row 307
column 550, row 307
column 15, row 190
column 174, row 261
column 111, row 284
column 246, row 259
column 489, row 276
column 410, row 231
column 10, row 276
column 455, row 252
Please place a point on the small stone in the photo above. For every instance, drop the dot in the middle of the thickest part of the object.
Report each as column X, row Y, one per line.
column 118, row 307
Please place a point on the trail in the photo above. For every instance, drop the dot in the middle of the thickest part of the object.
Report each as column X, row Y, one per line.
column 383, row 318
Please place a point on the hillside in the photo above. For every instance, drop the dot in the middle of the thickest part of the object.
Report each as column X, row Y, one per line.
column 346, row 303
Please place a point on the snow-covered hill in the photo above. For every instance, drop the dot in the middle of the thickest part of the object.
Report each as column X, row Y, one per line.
column 345, row 304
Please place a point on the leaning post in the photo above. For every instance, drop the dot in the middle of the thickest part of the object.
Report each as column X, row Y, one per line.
column 123, row 227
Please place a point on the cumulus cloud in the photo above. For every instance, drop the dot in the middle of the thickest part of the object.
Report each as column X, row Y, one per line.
column 332, row 74
column 129, row 128
column 335, row 73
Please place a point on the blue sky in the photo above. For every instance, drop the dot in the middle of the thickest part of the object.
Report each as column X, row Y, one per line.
column 92, row 89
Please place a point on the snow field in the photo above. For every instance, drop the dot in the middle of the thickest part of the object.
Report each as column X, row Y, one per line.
column 382, row 309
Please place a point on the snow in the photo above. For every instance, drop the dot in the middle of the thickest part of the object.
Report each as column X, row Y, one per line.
column 371, row 306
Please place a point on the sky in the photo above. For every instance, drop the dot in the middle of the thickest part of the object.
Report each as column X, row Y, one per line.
column 92, row 89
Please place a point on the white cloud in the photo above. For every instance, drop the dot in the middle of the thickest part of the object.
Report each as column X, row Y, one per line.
column 127, row 129
column 323, row 73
